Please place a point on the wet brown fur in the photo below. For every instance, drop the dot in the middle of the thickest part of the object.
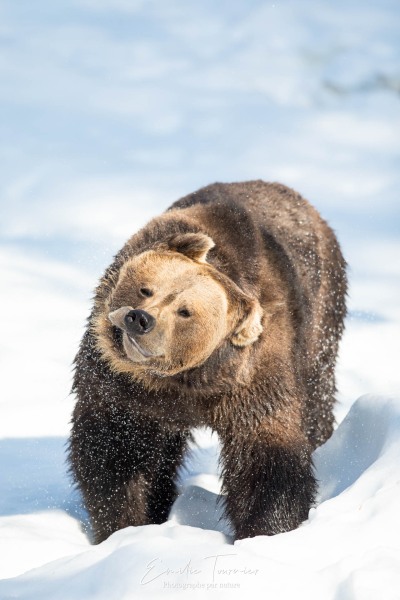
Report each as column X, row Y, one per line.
column 270, row 400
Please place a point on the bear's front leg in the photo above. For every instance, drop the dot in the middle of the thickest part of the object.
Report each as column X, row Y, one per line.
column 267, row 477
column 124, row 468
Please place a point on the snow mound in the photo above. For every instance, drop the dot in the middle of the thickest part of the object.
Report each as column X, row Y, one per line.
column 347, row 550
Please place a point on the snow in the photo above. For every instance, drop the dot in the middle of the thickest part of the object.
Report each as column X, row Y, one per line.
column 347, row 548
column 111, row 110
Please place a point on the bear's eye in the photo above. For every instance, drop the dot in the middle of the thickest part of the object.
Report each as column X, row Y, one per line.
column 146, row 292
column 183, row 312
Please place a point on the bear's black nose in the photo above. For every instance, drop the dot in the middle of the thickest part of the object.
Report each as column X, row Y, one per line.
column 139, row 322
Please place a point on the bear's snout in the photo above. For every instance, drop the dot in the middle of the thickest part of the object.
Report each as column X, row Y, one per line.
column 139, row 322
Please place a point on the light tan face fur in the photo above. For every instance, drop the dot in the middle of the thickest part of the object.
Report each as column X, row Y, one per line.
column 192, row 311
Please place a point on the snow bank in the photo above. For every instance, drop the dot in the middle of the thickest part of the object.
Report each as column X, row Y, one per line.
column 348, row 549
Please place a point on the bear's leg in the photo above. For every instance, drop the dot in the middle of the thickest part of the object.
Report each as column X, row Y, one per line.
column 124, row 469
column 268, row 480
column 163, row 487
column 319, row 417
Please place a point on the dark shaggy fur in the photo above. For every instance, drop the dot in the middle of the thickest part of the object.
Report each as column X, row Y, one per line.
column 129, row 435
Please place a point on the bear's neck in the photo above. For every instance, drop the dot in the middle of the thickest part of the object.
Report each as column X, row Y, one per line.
column 214, row 377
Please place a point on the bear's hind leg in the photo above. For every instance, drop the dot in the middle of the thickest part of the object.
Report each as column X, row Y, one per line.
column 319, row 417
column 163, row 488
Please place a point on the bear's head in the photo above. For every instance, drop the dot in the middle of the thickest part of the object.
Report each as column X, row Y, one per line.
column 169, row 310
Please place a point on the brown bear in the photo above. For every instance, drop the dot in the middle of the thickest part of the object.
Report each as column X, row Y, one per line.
column 226, row 311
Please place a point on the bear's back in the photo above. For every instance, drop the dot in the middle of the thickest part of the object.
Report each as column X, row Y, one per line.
column 255, row 219
column 267, row 237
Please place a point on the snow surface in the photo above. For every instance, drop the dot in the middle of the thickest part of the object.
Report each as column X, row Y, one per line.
column 348, row 548
column 111, row 110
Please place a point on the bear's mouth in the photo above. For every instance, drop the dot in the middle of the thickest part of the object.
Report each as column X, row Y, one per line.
column 137, row 347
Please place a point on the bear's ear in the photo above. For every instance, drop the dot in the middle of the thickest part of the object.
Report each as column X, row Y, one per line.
column 249, row 328
column 192, row 245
